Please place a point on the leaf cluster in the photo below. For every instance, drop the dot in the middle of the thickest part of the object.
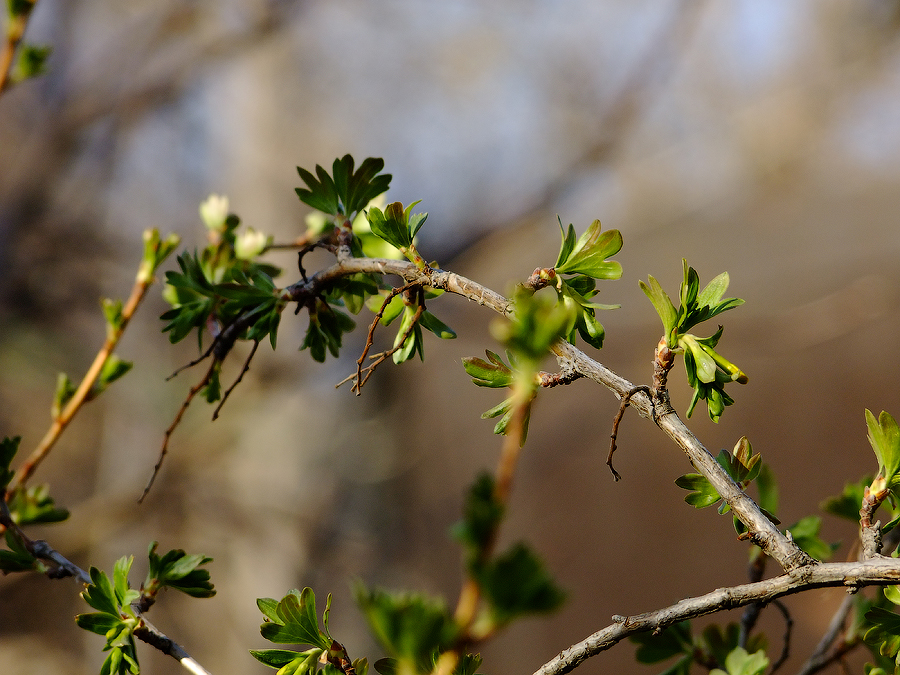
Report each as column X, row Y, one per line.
column 707, row 371
column 587, row 260
column 245, row 291
column 398, row 227
column 294, row 620
column 884, row 437
column 715, row 649
column 744, row 468
column 345, row 192
column 176, row 569
column 494, row 373
column 409, row 339
column 117, row 604
column 115, row 618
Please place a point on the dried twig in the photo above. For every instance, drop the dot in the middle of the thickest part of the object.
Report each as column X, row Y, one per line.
column 626, row 399
column 240, row 377
column 184, row 406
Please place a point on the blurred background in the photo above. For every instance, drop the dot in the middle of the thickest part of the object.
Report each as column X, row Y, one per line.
column 759, row 137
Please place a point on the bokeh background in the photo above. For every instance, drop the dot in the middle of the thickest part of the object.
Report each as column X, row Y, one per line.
column 760, row 137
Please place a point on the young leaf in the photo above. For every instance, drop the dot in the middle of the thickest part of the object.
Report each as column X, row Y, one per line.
column 740, row 662
column 663, row 306
column 493, row 373
column 295, row 621
column 589, row 255
column 884, row 437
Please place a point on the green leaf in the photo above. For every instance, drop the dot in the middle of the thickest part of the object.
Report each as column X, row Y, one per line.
column 884, row 436
column 348, row 191
column 113, row 368
column 663, row 306
column 31, row 61
column 538, row 321
column 884, row 633
column 64, row 392
column 112, row 312
column 702, row 493
column 100, row 594
column 711, row 296
column 689, row 286
column 704, row 365
column 892, row 593
column 589, row 255
column 276, row 658
column 176, row 569
column 671, row 641
column 412, row 343
column 398, row 227
column 517, row 583
column 739, row 662
column 17, row 558
column 741, row 464
column 124, row 595
column 8, row 448
column 568, row 243
column 493, row 373
column 847, row 504
column 100, row 623
column 431, row 323
column 768, row 489
column 325, row 331
column 387, row 666
column 805, row 533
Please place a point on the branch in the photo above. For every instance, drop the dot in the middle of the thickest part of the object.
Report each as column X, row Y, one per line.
column 762, row 531
column 63, row 567
column 83, row 393
column 853, row 575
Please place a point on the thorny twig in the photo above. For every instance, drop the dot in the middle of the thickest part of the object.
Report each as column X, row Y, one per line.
column 184, row 406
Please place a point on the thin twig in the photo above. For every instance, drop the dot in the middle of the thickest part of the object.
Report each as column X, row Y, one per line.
column 237, row 381
column 184, row 406
column 786, row 642
column 820, row 658
column 626, row 399
column 750, row 616
column 381, row 357
column 82, row 393
column 370, row 338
